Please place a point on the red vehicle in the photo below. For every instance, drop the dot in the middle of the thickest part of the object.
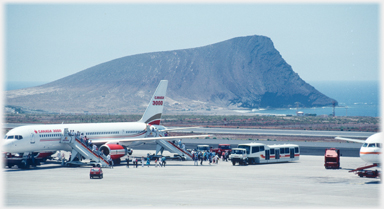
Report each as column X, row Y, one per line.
column 96, row 171
column 222, row 148
column 332, row 158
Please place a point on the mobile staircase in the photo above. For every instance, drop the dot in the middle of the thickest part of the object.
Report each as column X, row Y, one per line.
column 80, row 149
column 172, row 148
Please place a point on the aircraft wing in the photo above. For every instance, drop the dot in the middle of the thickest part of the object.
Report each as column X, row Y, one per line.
column 352, row 140
column 174, row 129
column 113, row 141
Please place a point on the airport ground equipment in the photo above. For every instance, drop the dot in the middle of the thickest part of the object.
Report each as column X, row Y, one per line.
column 25, row 160
column 257, row 153
column 332, row 158
column 222, row 148
column 162, row 145
column 361, row 172
column 202, row 148
column 81, row 150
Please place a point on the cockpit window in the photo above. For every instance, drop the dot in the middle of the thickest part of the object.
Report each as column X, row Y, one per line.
column 18, row 137
column 365, row 145
column 10, row 137
column 378, row 145
column 5, row 137
column 372, row 145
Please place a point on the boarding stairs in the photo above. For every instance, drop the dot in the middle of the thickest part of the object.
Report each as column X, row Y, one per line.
column 171, row 147
column 79, row 148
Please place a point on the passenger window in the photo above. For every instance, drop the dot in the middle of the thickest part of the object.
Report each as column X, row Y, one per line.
column 272, row 151
column 262, row 148
column 281, row 150
column 296, row 150
column 287, row 150
column 255, row 149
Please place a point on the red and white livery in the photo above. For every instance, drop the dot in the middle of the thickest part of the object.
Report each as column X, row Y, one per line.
column 114, row 138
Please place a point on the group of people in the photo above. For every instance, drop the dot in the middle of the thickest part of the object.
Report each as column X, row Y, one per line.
column 181, row 145
column 209, row 156
column 159, row 161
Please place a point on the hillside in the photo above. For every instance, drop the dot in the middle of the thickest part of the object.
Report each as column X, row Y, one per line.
column 243, row 72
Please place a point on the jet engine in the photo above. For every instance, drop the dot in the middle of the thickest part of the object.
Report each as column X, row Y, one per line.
column 115, row 150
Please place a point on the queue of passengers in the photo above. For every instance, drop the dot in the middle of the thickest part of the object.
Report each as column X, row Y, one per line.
column 87, row 142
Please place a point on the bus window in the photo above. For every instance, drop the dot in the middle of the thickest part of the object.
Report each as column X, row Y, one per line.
column 296, row 150
column 255, row 149
column 286, row 150
column 245, row 147
column 272, row 151
column 261, row 148
column 281, row 150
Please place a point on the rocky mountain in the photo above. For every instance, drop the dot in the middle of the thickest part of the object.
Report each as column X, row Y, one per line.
column 243, row 72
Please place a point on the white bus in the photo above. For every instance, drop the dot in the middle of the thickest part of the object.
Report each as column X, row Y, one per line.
column 256, row 153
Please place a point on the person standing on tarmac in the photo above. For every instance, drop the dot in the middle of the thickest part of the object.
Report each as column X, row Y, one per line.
column 142, row 161
column 160, row 162
column 110, row 161
column 127, row 161
column 163, row 159
column 148, row 161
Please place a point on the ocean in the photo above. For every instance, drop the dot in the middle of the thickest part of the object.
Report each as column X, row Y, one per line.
column 356, row 98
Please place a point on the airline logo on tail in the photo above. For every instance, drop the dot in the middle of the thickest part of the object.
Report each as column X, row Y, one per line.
column 152, row 114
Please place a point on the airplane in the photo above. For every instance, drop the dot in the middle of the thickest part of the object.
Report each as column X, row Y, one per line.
column 370, row 151
column 114, row 138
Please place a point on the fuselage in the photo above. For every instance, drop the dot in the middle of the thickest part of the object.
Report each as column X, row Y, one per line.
column 371, row 150
column 40, row 138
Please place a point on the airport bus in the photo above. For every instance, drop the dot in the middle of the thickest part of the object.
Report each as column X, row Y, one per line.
column 256, row 153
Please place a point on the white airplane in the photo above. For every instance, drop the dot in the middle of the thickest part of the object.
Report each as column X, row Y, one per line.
column 371, row 150
column 113, row 136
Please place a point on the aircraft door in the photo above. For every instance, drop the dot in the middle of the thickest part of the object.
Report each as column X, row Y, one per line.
column 32, row 138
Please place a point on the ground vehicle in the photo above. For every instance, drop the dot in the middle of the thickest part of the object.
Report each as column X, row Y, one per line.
column 260, row 153
column 332, row 158
column 96, row 171
column 239, row 155
column 222, row 148
column 25, row 161
column 203, row 148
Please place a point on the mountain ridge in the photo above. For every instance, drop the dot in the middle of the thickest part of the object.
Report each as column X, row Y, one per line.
column 243, row 72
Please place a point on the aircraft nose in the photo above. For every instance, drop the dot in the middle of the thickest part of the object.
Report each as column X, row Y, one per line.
column 8, row 146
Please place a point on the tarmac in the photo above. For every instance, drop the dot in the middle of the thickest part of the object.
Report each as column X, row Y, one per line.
column 304, row 183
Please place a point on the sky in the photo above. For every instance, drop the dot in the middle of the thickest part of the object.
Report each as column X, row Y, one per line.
column 322, row 42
